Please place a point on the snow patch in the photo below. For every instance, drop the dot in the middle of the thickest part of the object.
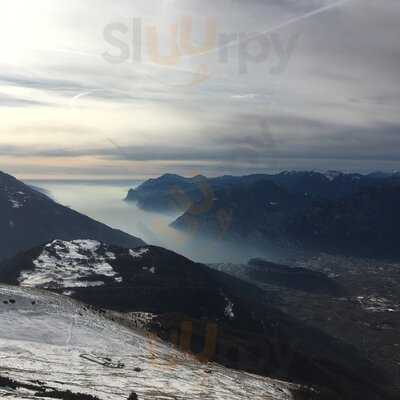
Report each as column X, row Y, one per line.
column 17, row 198
column 332, row 175
column 152, row 269
column 16, row 203
column 229, row 309
column 63, row 264
column 138, row 253
column 377, row 304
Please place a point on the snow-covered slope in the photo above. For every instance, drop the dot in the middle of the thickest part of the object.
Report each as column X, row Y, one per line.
column 49, row 342
column 77, row 263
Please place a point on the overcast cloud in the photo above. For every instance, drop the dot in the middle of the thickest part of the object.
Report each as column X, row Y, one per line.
column 300, row 84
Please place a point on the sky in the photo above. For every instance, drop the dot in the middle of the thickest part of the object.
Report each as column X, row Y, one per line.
column 113, row 89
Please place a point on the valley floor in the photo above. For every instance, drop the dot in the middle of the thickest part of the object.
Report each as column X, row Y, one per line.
column 366, row 316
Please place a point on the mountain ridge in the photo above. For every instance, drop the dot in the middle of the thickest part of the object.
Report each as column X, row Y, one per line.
column 29, row 217
column 293, row 210
column 168, row 188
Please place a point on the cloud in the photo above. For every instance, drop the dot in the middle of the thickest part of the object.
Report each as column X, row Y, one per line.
column 40, row 83
column 10, row 101
column 337, row 97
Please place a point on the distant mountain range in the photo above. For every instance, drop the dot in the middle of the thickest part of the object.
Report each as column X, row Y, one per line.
column 172, row 192
column 350, row 213
column 214, row 315
column 28, row 218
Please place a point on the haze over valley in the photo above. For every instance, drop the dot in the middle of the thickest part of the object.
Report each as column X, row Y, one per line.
column 103, row 201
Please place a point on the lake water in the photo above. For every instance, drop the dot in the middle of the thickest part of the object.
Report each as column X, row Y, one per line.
column 103, row 201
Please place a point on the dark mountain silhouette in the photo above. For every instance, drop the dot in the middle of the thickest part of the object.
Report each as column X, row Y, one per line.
column 172, row 192
column 254, row 211
column 365, row 223
column 29, row 218
column 167, row 193
column 347, row 213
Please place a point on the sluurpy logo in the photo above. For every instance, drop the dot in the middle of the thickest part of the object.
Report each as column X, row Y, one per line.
column 140, row 42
